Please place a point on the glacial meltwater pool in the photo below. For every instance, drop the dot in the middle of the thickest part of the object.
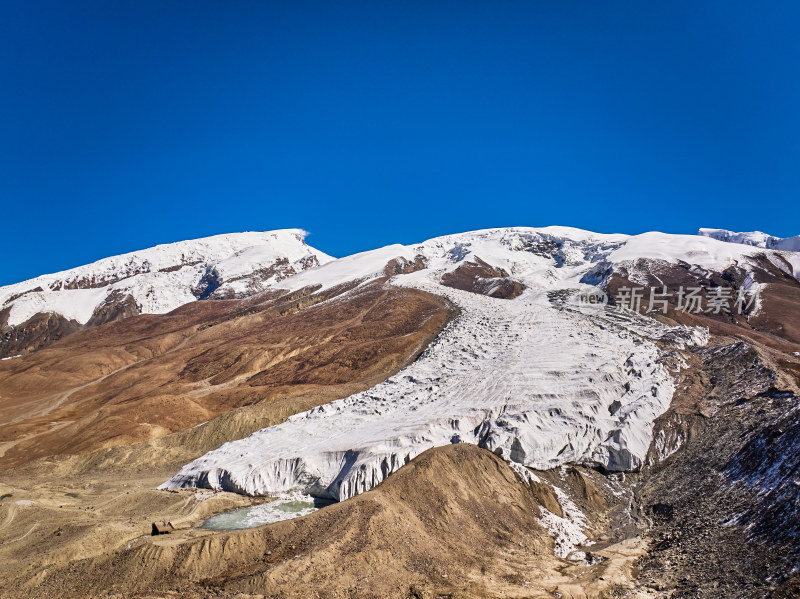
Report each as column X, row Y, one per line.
column 264, row 513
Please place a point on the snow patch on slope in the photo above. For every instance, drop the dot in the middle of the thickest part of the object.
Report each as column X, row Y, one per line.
column 794, row 260
column 76, row 304
column 566, row 530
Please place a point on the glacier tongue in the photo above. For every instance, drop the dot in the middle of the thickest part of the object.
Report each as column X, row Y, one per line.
column 539, row 385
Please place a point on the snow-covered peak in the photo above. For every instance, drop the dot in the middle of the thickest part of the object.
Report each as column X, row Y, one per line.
column 543, row 258
column 754, row 238
column 164, row 277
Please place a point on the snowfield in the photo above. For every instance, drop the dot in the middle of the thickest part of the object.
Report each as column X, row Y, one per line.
column 755, row 238
column 533, row 379
column 160, row 279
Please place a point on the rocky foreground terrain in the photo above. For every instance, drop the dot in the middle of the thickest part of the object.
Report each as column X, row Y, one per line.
column 483, row 425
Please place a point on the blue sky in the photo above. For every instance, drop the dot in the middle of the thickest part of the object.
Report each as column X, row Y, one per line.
column 127, row 124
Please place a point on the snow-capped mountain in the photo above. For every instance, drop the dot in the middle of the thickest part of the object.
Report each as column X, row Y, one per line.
column 155, row 280
column 545, row 254
column 754, row 238
column 380, row 378
column 537, row 383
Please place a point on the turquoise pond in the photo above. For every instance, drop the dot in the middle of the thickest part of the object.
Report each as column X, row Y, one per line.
column 263, row 513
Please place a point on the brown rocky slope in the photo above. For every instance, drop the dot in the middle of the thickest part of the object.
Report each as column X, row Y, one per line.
column 148, row 376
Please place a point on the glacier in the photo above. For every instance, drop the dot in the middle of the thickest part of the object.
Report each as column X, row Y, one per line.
column 540, row 382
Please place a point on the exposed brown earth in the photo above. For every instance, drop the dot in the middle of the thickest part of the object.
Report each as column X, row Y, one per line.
column 775, row 324
column 148, row 376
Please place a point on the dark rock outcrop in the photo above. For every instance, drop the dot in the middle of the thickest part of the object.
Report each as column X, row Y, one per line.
column 38, row 331
column 485, row 279
column 401, row 266
column 724, row 502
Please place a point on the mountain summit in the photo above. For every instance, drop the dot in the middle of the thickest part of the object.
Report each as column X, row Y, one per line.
column 157, row 280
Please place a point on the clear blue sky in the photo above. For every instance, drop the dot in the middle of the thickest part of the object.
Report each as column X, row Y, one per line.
column 127, row 124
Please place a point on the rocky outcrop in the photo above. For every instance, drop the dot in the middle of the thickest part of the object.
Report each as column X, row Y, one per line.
column 479, row 277
column 117, row 306
column 35, row 333
column 43, row 329
column 208, row 284
column 723, row 502
column 402, row 266
column 256, row 281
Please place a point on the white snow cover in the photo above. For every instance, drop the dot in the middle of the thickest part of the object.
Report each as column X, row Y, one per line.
column 540, row 384
column 365, row 265
column 705, row 252
column 754, row 238
column 160, row 279
column 794, row 260
column 567, row 530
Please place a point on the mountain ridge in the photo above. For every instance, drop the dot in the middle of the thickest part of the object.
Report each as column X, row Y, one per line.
column 754, row 238
column 155, row 280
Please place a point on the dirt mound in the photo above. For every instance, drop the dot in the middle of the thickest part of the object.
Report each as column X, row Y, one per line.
column 456, row 521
